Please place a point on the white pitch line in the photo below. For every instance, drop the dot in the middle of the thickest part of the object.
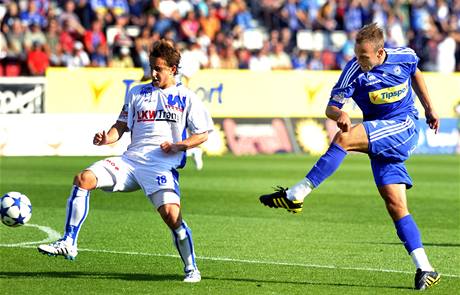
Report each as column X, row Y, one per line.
column 226, row 259
column 53, row 235
column 248, row 261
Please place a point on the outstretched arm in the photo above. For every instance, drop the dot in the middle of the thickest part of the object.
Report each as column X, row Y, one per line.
column 418, row 83
column 188, row 143
column 113, row 135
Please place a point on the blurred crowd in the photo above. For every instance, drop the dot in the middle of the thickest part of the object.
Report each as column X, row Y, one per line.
column 219, row 34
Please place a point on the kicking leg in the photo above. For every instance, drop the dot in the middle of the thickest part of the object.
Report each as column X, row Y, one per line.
column 292, row 199
column 77, row 210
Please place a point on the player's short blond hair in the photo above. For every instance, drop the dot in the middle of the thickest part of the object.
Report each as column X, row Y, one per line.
column 371, row 33
column 165, row 49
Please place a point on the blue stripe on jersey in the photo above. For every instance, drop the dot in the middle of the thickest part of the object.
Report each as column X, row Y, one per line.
column 176, row 181
column 183, row 161
column 349, row 73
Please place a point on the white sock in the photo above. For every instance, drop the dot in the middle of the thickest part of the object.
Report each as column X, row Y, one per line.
column 77, row 210
column 182, row 238
column 421, row 260
column 300, row 190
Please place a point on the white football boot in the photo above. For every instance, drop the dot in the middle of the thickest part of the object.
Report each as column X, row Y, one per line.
column 60, row 247
column 193, row 276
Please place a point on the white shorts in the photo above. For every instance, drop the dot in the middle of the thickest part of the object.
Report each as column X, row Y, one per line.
column 118, row 174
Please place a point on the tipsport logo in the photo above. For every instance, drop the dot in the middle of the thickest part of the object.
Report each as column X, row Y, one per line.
column 390, row 94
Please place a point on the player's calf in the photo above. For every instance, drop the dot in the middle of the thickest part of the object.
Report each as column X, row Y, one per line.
column 182, row 239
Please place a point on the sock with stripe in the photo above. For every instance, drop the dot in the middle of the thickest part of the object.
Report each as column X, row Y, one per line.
column 182, row 238
column 324, row 167
column 409, row 234
column 77, row 210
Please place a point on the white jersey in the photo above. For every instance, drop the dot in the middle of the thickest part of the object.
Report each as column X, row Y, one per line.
column 157, row 115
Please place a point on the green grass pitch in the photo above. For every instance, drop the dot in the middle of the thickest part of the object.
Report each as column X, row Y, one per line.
column 342, row 243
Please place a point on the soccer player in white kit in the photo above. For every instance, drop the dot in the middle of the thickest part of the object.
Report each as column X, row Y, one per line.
column 158, row 115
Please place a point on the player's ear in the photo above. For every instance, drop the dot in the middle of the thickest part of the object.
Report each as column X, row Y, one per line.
column 174, row 70
column 380, row 52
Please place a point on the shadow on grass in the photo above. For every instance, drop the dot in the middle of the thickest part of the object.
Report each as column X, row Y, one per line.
column 442, row 245
column 449, row 245
column 168, row 277
column 92, row 275
column 261, row 282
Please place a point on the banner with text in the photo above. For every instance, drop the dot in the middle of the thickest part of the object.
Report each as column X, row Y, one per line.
column 227, row 93
column 246, row 94
column 21, row 95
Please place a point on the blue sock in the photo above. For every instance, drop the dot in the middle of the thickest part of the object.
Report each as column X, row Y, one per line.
column 408, row 233
column 327, row 164
column 77, row 210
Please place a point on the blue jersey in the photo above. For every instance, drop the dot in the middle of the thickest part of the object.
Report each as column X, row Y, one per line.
column 383, row 93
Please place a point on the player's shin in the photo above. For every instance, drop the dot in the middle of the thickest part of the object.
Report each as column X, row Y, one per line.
column 409, row 234
column 324, row 167
column 77, row 210
column 182, row 238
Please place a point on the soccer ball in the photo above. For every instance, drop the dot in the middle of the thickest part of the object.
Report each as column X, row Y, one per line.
column 15, row 209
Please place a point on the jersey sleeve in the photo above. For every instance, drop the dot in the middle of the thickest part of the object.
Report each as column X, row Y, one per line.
column 412, row 60
column 345, row 87
column 126, row 112
column 198, row 118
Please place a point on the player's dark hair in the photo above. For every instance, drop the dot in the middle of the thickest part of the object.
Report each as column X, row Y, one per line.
column 165, row 49
column 371, row 33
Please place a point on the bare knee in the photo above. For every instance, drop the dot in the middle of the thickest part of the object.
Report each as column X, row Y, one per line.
column 86, row 180
column 397, row 210
column 171, row 215
column 353, row 140
column 395, row 200
column 341, row 139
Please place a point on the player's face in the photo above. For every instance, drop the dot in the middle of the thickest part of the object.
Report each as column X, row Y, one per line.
column 367, row 56
column 162, row 74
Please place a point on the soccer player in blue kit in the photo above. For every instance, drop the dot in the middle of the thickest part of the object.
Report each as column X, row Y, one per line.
column 380, row 81
column 158, row 115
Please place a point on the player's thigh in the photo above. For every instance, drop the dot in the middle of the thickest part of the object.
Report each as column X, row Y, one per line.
column 388, row 172
column 353, row 140
column 394, row 193
column 392, row 140
column 153, row 178
column 164, row 197
column 114, row 174
column 167, row 202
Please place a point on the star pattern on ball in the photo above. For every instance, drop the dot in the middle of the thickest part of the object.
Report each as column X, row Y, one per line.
column 20, row 219
column 17, row 202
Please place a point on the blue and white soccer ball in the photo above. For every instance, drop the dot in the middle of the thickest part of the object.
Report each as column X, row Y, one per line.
column 15, row 209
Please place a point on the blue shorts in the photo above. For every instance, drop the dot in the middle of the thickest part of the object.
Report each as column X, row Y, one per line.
column 391, row 142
